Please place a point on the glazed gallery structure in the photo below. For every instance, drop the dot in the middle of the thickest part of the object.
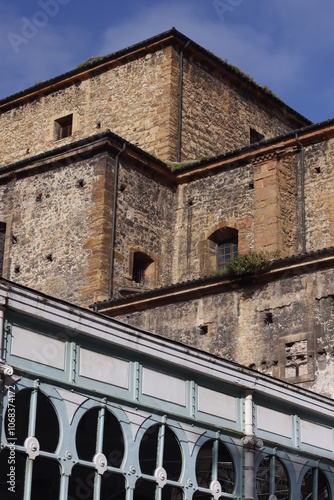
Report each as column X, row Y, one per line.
column 92, row 408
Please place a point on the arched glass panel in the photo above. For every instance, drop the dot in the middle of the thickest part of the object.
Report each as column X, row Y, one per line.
column 46, row 423
column 204, row 464
column 214, row 461
column 148, row 450
column 171, row 453
column 113, row 441
column 272, row 479
column 315, row 486
column 172, row 457
column 86, row 435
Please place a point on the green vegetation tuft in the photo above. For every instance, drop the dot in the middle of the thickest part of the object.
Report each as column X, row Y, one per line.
column 251, row 263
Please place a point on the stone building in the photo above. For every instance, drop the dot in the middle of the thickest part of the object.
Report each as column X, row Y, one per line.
column 127, row 183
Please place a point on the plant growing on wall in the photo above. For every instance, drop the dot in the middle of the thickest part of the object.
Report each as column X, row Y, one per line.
column 251, row 263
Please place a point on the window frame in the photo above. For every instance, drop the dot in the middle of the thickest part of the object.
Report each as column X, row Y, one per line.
column 224, row 237
column 222, row 247
column 63, row 127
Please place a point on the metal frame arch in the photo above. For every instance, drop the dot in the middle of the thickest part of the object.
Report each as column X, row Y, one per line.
column 330, row 478
column 89, row 404
column 60, row 409
column 53, row 397
column 314, row 464
column 180, row 435
column 285, row 459
column 210, row 435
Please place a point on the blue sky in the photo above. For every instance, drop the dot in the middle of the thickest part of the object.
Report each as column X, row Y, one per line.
column 286, row 45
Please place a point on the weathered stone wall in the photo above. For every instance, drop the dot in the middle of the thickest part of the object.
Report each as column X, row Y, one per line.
column 59, row 226
column 55, row 226
column 288, row 239
column 276, row 219
column 134, row 100
column 217, row 116
column 171, row 224
column 225, row 199
column 283, row 328
column 319, row 195
column 139, row 101
column 145, row 218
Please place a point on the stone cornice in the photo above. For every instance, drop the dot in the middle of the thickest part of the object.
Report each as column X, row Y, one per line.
column 282, row 269
column 84, row 149
column 262, row 151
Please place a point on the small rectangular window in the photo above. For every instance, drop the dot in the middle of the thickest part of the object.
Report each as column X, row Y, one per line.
column 296, row 359
column 255, row 136
column 63, row 127
column 227, row 250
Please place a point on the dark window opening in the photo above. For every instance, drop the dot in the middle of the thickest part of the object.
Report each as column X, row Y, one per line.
column 223, row 246
column 18, row 479
column 296, row 362
column 145, row 490
column 272, row 479
column 2, row 245
column 202, row 496
column 81, row 484
column 149, row 452
column 255, row 136
column 113, row 441
column 45, row 479
column 142, row 268
column 113, row 486
column 268, row 319
column 215, row 461
column 203, row 329
column 315, row 481
column 63, row 127
column 46, row 423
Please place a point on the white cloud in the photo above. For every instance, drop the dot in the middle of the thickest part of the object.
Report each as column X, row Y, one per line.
column 252, row 51
column 31, row 51
column 284, row 45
